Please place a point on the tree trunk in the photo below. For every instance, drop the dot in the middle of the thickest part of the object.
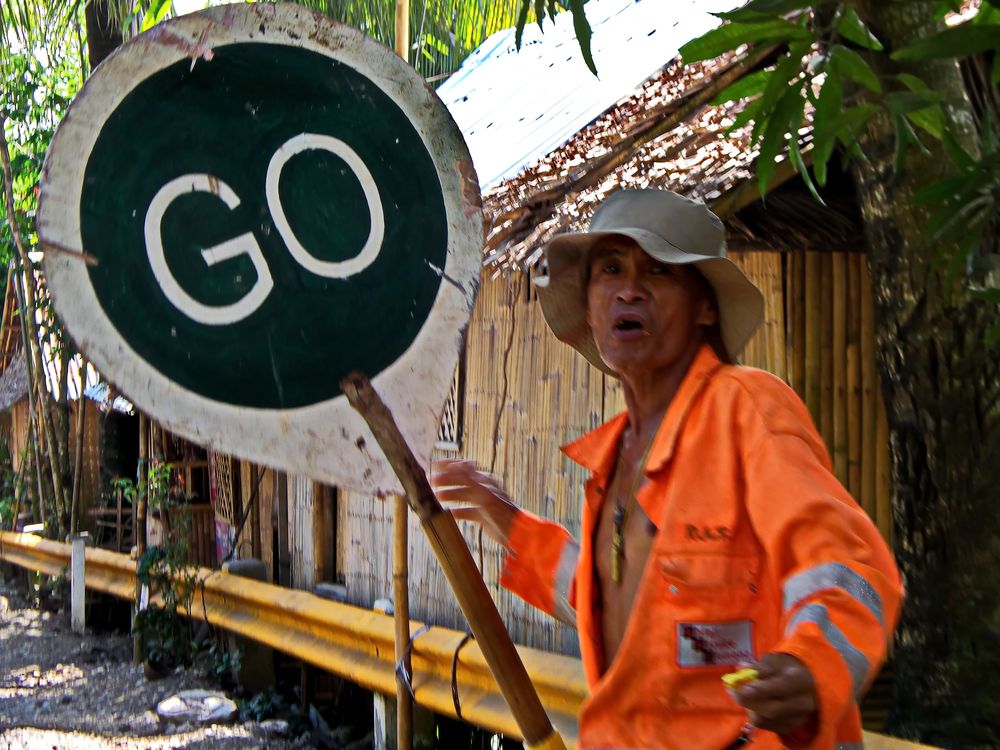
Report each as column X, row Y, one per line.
column 103, row 37
column 940, row 382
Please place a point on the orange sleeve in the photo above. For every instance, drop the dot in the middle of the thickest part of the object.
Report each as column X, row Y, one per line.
column 841, row 590
column 540, row 565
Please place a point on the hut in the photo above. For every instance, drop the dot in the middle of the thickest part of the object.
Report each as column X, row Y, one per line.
column 64, row 384
column 545, row 161
column 523, row 393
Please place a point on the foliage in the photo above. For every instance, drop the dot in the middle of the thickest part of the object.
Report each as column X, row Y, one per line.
column 164, row 570
column 442, row 32
column 40, row 74
column 827, row 73
column 11, row 484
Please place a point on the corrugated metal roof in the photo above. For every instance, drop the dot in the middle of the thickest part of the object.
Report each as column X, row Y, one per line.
column 516, row 107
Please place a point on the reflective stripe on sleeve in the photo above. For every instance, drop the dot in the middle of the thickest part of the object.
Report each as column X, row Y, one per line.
column 832, row 576
column 565, row 572
column 857, row 662
column 850, row 746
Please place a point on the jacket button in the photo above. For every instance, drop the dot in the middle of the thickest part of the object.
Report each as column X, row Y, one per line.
column 600, row 490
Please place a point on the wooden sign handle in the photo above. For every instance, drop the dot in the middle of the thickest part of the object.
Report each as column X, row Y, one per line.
column 450, row 548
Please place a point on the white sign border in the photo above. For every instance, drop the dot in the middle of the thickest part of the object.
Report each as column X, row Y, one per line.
column 327, row 441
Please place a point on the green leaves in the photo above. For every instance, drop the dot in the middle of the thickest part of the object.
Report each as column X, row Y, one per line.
column 732, row 35
column 582, row 28
column 745, row 88
column 851, row 64
column 157, row 11
column 852, row 28
column 758, row 9
column 828, row 106
column 959, row 41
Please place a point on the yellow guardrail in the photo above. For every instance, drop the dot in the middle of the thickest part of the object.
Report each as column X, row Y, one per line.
column 355, row 643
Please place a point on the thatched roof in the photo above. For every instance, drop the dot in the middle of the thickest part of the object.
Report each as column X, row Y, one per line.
column 665, row 134
column 14, row 382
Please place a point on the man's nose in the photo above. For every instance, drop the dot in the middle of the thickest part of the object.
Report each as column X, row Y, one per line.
column 631, row 289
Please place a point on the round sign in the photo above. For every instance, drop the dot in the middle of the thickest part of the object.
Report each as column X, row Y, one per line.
column 270, row 200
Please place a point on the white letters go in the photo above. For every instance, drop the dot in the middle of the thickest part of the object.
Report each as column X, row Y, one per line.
column 246, row 244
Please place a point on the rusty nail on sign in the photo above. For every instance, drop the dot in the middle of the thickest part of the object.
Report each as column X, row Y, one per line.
column 294, row 207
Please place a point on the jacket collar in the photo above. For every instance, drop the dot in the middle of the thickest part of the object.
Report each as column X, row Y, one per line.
column 597, row 451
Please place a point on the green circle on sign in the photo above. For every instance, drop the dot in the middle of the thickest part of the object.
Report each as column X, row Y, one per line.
column 226, row 119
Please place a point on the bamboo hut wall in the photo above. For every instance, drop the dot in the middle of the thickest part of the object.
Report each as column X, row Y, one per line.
column 90, row 488
column 553, row 395
column 19, row 417
column 266, row 519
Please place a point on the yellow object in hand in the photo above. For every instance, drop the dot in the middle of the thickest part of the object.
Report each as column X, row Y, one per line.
column 736, row 680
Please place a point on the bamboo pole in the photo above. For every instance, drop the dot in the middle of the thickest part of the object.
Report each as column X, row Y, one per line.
column 141, row 506
column 868, row 392
column 28, row 322
column 839, row 365
column 798, row 321
column 401, row 615
column 5, row 320
column 883, row 501
column 826, row 349
column 81, row 418
column 853, row 361
column 453, row 553
column 38, row 513
column 813, row 386
column 401, row 539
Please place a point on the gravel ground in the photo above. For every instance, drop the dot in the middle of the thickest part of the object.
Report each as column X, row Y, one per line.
column 61, row 690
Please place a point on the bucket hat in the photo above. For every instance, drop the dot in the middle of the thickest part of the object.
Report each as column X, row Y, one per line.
column 669, row 228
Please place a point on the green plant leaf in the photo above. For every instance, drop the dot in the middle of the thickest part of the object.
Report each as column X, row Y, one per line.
column 777, row 84
column 905, row 137
column 157, row 11
column 758, row 9
column 522, row 20
column 851, row 64
column 958, row 155
column 583, row 32
column 987, row 294
column 941, row 190
column 852, row 28
column 995, row 77
column 786, row 118
column 831, row 99
column 745, row 88
column 795, row 153
column 959, row 41
column 749, row 112
column 732, row 35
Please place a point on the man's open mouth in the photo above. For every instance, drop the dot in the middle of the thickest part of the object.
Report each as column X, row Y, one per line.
column 629, row 323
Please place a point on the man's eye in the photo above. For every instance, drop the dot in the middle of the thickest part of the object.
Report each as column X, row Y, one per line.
column 610, row 268
column 662, row 269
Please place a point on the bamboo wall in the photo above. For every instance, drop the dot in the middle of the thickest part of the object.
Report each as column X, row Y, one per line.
column 18, row 444
column 818, row 335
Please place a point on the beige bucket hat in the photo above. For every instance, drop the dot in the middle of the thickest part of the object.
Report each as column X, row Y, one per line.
column 670, row 228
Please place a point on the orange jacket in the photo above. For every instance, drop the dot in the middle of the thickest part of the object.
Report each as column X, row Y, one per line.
column 758, row 549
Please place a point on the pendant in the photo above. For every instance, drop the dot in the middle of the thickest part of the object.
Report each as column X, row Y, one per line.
column 618, row 545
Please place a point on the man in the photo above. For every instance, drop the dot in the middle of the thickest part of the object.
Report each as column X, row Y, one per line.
column 714, row 534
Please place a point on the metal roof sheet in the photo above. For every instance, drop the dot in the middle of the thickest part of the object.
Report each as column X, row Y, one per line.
column 516, row 107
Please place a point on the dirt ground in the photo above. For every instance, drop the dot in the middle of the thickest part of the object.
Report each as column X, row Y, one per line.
column 60, row 690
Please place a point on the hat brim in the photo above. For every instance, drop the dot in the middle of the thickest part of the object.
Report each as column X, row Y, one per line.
column 562, row 291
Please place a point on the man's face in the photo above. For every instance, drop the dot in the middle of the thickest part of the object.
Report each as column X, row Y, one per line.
column 645, row 315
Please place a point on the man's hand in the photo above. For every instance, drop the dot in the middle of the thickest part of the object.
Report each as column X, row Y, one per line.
column 483, row 501
column 783, row 697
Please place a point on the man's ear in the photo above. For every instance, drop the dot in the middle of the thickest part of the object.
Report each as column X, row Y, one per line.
column 708, row 315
